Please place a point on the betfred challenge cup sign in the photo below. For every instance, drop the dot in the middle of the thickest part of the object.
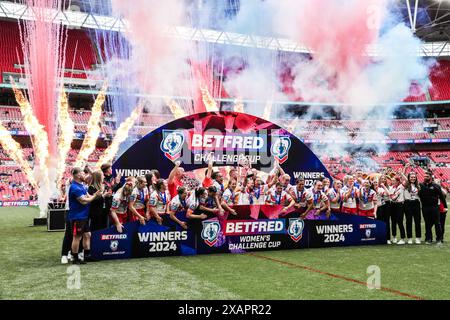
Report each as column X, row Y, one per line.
column 210, row 232
column 295, row 229
column 280, row 148
column 172, row 143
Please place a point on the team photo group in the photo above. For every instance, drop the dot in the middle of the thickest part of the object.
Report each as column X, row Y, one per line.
column 96, row 200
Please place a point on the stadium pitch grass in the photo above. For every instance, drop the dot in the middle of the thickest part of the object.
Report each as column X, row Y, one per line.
column 30, row 269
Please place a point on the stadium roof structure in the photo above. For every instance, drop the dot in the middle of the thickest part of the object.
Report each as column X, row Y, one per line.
column 429, row 19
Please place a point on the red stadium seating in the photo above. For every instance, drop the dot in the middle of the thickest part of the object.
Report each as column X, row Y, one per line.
column 409, row 135
column 416, row 94
column 440, row 81
column 442, row 134
column 80, row 53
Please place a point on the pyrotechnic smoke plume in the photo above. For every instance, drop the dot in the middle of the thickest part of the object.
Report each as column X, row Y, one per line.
column 338, row 73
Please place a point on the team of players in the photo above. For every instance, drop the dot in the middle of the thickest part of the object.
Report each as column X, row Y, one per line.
column 175, row 200
column 378, row 196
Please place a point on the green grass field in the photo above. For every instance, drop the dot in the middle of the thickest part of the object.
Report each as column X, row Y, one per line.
column 30, row 269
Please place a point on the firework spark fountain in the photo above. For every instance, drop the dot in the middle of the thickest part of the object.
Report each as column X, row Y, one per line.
column 93, row 129
column 238, row 105
column 66, row 134
column 14, row 151
column 267, row 110
column 42, row 45
column 121, row 136
column 175, row 108
column 210, row 103
column 41, row 147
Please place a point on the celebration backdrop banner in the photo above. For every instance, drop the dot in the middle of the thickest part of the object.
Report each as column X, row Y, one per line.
column 229, row 139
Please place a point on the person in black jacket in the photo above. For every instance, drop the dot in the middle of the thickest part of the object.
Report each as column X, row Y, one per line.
column 97, row 217
column 430, row 193
column 111, row 185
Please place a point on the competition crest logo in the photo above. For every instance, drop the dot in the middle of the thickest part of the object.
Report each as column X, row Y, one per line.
column 295, row 229
column 114, row 245
column 172, row 143
column 280, row 148
column 368, row 233
column 210, row 232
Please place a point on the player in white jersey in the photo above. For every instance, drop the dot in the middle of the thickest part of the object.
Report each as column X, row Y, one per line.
column 138, row 201
column 119, row 207
column 302, row 197
column 246, row 195
column 259, row 191
column 159, row 201
column 367, row 200
column 229, row 197
column 334, row 195
column 326, row 185
column 197, row 205
column 358, row 178
column 218, row 183
column 349, row 196
column 177, row 206
column 321, row 205
column 285, row 180
column 278, row 196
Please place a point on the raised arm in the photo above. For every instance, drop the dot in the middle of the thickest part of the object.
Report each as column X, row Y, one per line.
column 210, row 168
column 173, row 172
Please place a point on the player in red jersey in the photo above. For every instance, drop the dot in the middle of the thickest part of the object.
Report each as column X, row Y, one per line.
column 208, row 181
column 175, row 179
